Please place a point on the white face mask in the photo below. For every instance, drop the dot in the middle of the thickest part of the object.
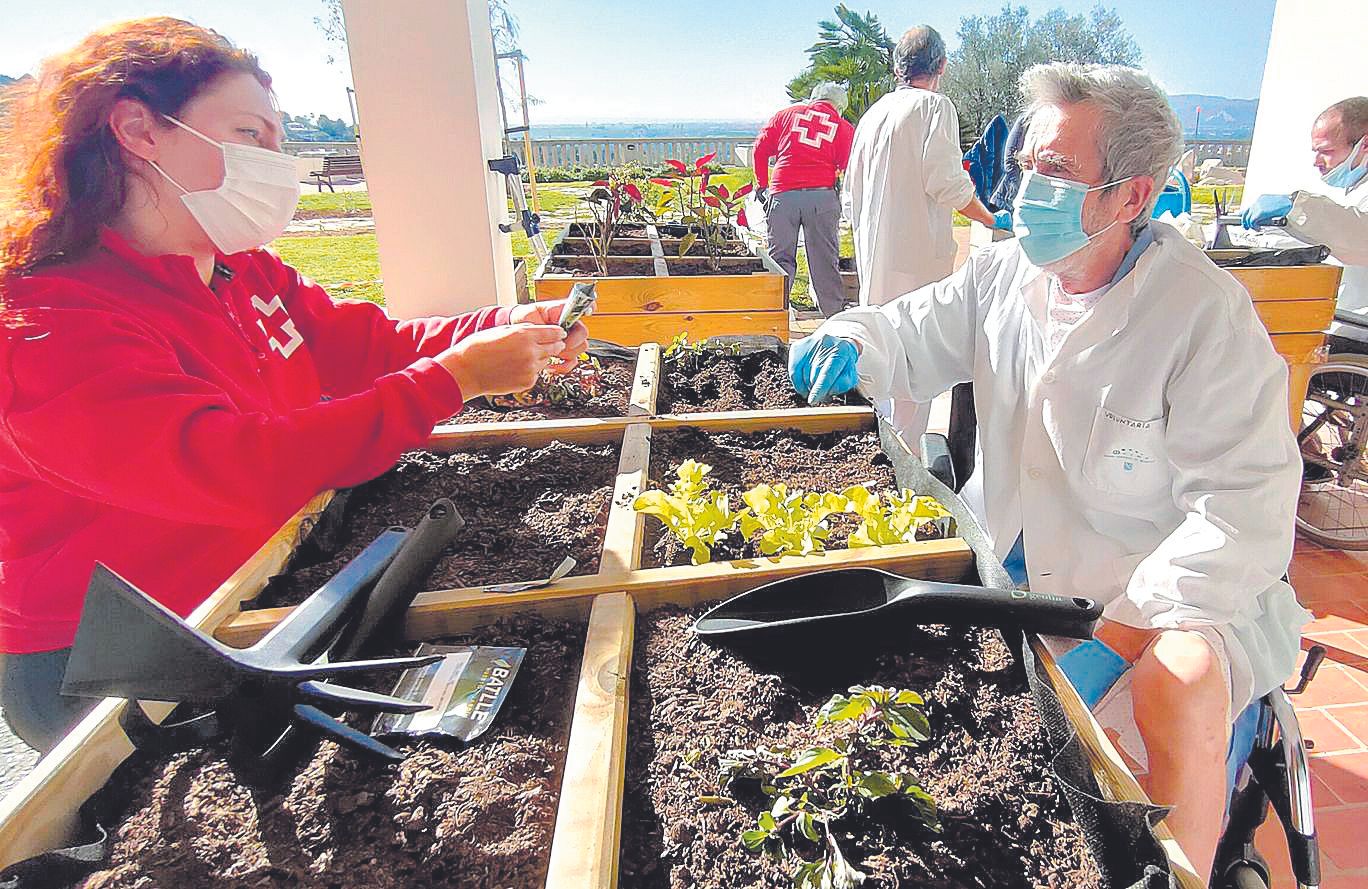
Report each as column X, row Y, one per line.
column 255, row 202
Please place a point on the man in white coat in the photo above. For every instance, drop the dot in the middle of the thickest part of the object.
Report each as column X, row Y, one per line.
column 1339, row 218
column 1132, row 414
column 905, row 177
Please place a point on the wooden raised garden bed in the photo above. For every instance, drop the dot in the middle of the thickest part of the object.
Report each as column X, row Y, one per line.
column 653, row 296
column 667, row 707
column 736, row 376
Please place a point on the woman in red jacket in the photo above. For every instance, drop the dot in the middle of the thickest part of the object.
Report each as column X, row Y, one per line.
column 170, row 393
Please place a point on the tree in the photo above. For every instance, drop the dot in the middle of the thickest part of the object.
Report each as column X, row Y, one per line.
column 854, row 51
column 984, row 71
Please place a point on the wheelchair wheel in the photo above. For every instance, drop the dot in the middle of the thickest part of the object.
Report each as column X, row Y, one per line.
column 1245, row 876
column 1333, row 507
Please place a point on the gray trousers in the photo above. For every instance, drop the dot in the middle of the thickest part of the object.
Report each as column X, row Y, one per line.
column 818, row 212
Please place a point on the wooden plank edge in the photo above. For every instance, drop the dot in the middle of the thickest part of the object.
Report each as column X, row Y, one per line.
column 1113, row 775
column 626, row 527
column 593, row 430
column 646, row 383
column 440, row 612
column 588, row 833
column 40, row 812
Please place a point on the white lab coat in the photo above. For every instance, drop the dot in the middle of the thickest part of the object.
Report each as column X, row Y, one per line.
column 1340, row 222
column 1149, row 462
column 906, row 176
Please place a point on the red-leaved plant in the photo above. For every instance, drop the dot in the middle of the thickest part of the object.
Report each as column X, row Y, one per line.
column 611, row 201
column 710, row 207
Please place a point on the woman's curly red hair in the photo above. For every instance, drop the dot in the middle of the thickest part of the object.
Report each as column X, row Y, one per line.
column 62, row 172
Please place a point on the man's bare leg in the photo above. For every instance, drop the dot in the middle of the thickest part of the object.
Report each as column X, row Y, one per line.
column 1182, row 711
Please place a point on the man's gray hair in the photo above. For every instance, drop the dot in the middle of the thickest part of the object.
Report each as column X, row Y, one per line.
column 920, row 53
column 833, row 93
column 1140, row 135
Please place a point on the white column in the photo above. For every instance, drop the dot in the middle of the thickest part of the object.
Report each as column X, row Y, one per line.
column 1315, row 58
column 429, row 119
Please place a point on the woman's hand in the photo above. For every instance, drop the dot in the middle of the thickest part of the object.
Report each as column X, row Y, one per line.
column 504, row 359
column 549, row 312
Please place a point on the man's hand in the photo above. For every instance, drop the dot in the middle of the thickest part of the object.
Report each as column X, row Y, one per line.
column 1265, row 209
column 549, row 312
column 1129, row 642
column 822, row 365
column 503, row 359
column 763, row 196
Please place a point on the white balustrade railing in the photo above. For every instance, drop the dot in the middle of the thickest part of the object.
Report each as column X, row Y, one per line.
column 1232, row 152
column 562, row 153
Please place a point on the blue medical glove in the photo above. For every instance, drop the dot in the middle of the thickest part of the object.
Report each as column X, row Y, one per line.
column 1267, row 208
column 1002, row 219
column 1093, row 668
column 823, row 365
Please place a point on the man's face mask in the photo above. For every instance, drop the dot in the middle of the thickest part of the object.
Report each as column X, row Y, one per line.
column 1048, row 216
column 1345, row 175
column 255, row 202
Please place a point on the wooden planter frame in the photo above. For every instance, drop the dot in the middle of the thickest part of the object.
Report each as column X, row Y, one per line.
column 39, row 814
column 635, row 309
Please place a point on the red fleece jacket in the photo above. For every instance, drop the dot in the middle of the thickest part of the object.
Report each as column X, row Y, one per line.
column 168, row 428
column 809, row 142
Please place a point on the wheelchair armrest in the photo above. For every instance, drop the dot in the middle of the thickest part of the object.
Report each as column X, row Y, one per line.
column 935, row 455
column 1292, row 800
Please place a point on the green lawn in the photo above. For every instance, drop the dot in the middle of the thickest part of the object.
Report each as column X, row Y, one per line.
column 347, row 266
column 313, row 205
column 1230, row 194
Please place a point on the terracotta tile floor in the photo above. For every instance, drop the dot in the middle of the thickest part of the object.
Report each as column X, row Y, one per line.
column 1334, row 717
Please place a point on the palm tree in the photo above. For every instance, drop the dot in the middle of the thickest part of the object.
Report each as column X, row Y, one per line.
column 854, row 51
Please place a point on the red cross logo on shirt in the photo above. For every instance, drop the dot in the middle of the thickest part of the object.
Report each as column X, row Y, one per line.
column 813, row 127
column 280, row 331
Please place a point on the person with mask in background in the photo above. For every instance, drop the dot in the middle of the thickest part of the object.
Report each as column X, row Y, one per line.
column 1339, row 218
column 906, row 177
column 170, row 391
column 1134, row 441
column 810, row 144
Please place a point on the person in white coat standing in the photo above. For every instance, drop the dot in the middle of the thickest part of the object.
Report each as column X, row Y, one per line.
column 1339, row 218
column 905, row 178
column 1135, row 445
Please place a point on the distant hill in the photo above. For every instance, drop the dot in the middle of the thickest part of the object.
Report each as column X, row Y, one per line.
column 1222, row 118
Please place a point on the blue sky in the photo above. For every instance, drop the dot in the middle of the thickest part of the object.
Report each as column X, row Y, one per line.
column 607, row 60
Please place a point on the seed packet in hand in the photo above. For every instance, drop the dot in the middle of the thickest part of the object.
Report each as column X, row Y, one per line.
column 581, row 302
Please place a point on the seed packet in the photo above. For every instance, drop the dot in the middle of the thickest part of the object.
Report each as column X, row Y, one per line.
column 464, row 691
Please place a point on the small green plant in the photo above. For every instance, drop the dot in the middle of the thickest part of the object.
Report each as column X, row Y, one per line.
column 694, row 513
column 789, row 523
column 811, row 792
column 687, row 356
column 894, row 518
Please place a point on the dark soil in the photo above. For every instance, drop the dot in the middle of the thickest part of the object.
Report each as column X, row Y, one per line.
column 847, row 263
column 444, row 817
column 617, row 394
column 690, row 266
column 717, row 381
column 1005, row 824
column 632, row 230
column 525, row 509
column 619, row 247
column 831, row 462
column 586, row 267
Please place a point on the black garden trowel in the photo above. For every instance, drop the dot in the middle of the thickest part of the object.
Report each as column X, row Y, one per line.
column 854, row 603
column 129, row 646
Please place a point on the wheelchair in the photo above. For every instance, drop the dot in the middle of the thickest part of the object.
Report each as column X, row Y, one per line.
column 1333, row 508
column 1268, row 755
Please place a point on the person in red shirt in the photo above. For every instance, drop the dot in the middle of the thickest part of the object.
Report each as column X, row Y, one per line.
column 810, row 144
column 170, row 391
